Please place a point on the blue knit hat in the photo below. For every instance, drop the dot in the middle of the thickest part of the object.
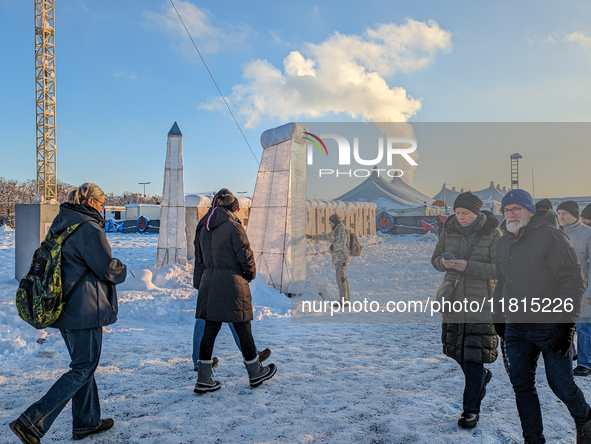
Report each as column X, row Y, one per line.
column 519, row 197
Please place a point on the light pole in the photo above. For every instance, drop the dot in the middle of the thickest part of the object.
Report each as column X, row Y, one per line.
column 144, row 184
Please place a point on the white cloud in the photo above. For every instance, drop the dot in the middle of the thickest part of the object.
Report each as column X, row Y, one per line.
column 124, row 75
column 344, row 74
column 209, row 39
column 579, row 38
column 276, row 37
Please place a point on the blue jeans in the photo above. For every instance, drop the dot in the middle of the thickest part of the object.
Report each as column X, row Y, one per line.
column 524, row 346
column 584, row 344
column 198, row 335
column 78, row 385
column 474, row 375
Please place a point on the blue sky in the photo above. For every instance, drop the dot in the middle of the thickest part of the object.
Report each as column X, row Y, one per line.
column 126, row 72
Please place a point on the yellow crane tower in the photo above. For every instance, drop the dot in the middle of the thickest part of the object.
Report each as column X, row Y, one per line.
column 45, row 98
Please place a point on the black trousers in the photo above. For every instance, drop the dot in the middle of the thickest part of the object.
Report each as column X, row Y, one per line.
column 524, row 348
column 212, row 328
column 474, row 374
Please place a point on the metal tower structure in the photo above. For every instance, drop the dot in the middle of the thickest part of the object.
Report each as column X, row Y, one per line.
column 45, row 98
column 515, row 170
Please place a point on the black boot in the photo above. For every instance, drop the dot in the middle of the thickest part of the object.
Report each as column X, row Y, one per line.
column 584, row 433
column 25, row 435
column 468, row 420
column 487, row 379
column 106, row 424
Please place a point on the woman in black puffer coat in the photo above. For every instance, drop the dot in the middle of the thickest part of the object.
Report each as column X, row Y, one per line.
column 224, row 265
column 470, row 338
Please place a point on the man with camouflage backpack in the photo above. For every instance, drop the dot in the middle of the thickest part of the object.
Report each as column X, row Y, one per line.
column 339, row 252
column 88, row 266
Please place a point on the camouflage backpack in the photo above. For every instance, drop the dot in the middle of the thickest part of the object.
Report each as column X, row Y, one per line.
column 354, row 245
column 40, row 298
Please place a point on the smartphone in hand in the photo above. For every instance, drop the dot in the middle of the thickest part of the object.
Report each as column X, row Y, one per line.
column 448, row 256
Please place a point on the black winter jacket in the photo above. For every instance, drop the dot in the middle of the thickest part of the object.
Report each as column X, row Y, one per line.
column 224, row 265
column 540, row 265
column 87, row 252
column 470, row 336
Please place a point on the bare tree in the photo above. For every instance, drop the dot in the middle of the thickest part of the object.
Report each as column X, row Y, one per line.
column 137, row 198
column 13, row 192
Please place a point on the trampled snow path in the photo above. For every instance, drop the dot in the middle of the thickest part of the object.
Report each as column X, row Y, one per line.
column 336, row 383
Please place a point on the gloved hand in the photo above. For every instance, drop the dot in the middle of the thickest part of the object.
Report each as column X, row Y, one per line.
column 500, row 328
column 561, row 339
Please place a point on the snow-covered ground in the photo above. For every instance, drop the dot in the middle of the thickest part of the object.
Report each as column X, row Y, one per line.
column 336, row 382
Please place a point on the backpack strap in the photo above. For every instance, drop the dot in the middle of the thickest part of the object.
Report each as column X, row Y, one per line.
column 471, row 249
column 66, row 297
column 60, row 241
column 473, row 245
column 68, row 232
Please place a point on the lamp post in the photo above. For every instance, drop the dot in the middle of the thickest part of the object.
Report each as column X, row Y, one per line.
column 144, row 184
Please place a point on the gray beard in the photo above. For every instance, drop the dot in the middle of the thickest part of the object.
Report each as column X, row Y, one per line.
column 514, row 227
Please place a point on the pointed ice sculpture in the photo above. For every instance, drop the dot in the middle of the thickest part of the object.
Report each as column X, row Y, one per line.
column 277, row 221
column 172, row 240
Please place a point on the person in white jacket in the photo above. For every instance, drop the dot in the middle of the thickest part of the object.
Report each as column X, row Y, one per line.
column 580, row 236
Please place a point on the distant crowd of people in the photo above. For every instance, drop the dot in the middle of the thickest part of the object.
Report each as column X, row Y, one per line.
column 534, row 266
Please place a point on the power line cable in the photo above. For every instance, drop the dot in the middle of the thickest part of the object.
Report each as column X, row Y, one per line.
column 214, row 82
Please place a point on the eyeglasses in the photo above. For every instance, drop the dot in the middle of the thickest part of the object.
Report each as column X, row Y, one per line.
column 516, row 211
column 102, row 204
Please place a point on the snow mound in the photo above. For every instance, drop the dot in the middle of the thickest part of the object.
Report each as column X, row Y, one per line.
column 16, row 336
column 140, row 280
column 429, row 237
column 267, row 301
column 174, row 276
column 5, row 228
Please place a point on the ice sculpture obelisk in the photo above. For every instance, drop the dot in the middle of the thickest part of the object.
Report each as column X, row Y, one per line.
column 277, row 221
column 172, row 240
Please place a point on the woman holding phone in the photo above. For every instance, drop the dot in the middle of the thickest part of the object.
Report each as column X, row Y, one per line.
column 466, row 252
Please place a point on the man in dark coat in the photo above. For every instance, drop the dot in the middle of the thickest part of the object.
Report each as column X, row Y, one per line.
column 89, row 275
column 539, row 293
column 224, row 265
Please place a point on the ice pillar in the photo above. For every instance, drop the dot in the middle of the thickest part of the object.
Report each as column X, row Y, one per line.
column 172, row 240
column 277, row 222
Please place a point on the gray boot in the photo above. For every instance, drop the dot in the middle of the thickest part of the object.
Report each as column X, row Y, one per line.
column 204, row 381
column 257, row 373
